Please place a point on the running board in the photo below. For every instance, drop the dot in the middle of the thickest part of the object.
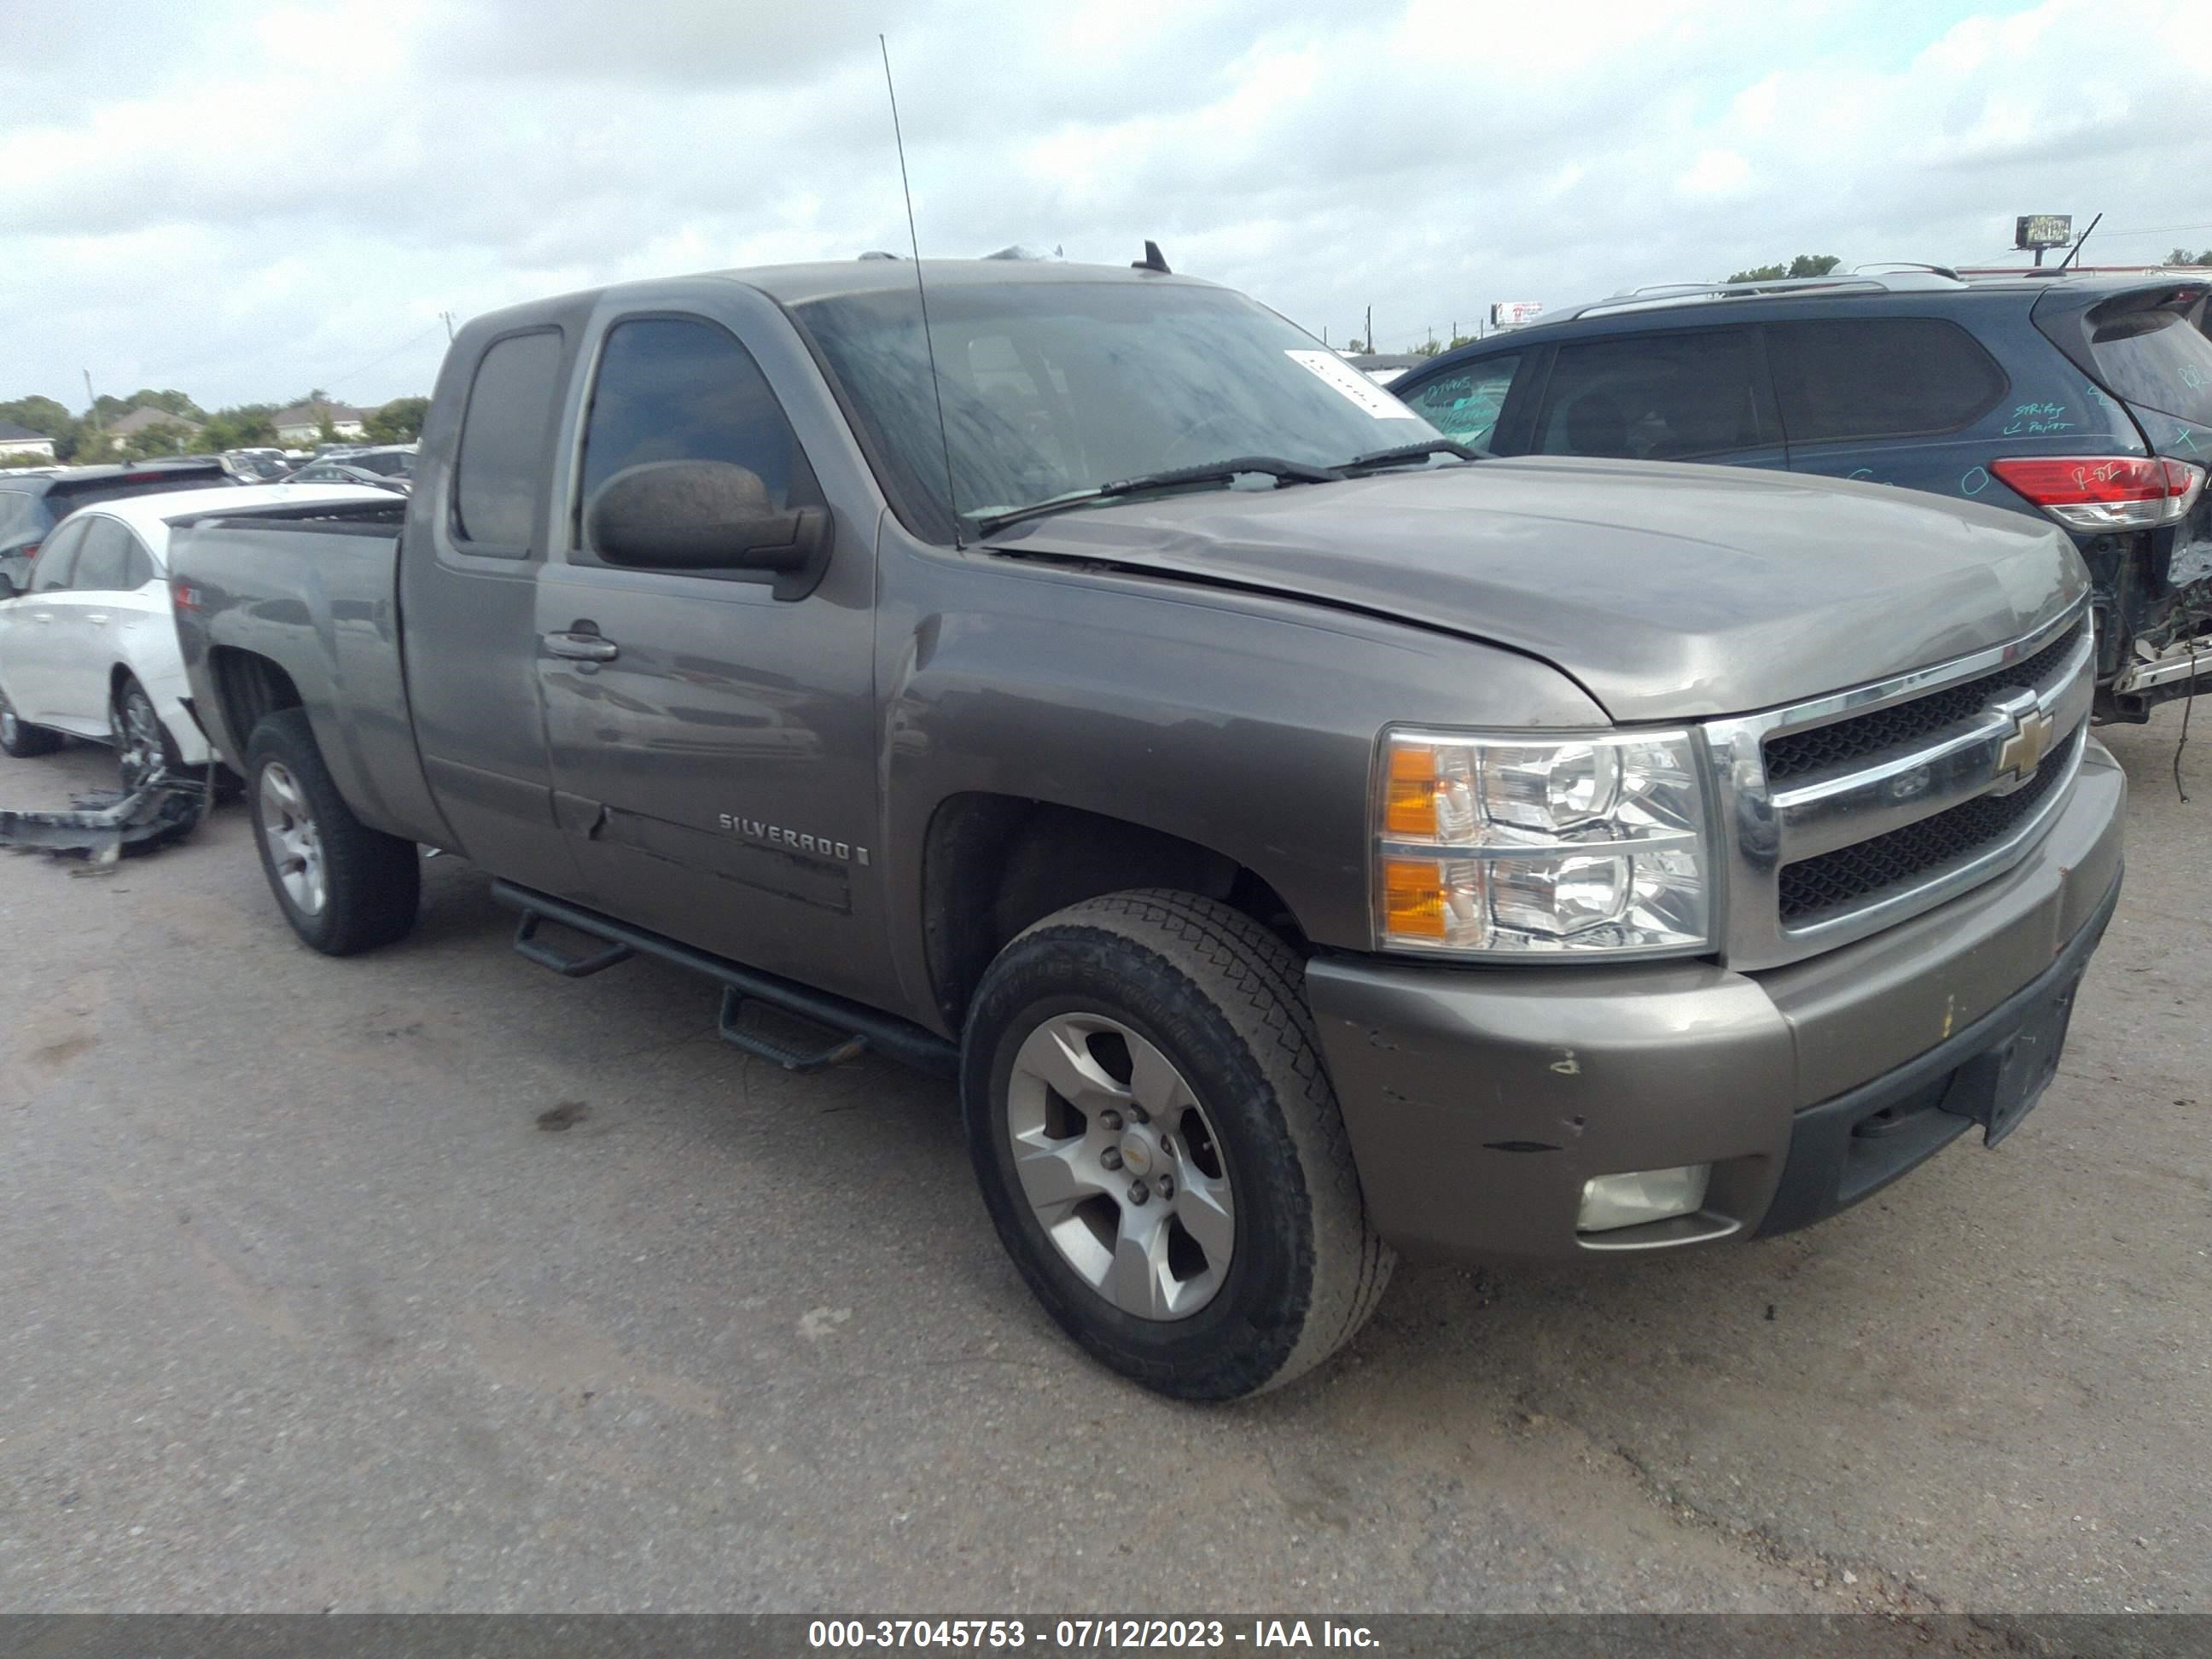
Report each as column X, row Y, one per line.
column 842, row 1045
column 856, row 1026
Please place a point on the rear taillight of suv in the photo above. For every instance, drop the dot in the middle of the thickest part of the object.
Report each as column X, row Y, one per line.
column 2105, row 492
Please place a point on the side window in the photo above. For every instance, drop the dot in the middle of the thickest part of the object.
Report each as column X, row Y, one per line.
column 51, row 569
column 1465, row 404
column 498, row 475
column 104, row 562
column 677, row 389
column 1879, row 377
column 1655, row 396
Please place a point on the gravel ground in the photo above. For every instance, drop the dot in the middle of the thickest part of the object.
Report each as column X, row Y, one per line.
column 432, row 1281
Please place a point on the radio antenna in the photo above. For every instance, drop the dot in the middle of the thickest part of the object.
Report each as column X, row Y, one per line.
column 921, row 293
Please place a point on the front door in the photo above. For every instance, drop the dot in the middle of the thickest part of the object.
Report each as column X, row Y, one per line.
column 713, row 745
column 33, row 628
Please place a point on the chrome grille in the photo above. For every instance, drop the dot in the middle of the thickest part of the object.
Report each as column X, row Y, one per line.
column 1794, row 754
column 1817, row 886
column 1854, row 811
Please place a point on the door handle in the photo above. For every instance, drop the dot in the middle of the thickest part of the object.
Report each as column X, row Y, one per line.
column 582, row 647
column 97, row 618
column 42, row 616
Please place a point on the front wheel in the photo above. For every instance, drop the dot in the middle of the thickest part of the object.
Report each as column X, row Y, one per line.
column 21, row 740
column 343, row 886
column 1160, row 1148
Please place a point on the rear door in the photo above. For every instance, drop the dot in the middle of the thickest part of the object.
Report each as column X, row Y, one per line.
column 468, row 590
column 1694, row 394
column 87, row 625
column 713, row 744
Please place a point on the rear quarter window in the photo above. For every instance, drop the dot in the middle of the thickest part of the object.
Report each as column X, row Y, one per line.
column 497, row 476
column 1879, row 377
column 2156, row 360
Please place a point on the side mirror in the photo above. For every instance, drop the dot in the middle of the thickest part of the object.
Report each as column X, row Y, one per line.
column 706, row 515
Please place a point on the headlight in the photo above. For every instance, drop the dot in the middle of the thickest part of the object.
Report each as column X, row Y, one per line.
column 1589, row 844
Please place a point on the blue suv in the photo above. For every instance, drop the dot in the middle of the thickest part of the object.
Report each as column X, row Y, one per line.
column 2087, row 399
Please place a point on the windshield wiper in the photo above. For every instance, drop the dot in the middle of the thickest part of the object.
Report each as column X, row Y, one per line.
column 1418, row 452
column 1273, row 466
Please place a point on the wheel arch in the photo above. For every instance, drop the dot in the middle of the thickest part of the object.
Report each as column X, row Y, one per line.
column 993, row 864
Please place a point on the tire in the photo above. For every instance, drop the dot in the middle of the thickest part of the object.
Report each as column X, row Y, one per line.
column 344, row 888
column 21, row 740
column 141, row 742
column 1105, row 992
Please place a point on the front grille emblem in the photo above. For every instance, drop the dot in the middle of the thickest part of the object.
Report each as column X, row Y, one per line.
column 2025, row 744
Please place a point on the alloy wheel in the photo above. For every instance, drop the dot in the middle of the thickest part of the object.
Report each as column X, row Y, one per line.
column 1121, row 1166
column 295, row 847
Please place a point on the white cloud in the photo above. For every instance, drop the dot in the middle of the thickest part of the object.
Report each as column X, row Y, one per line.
column 243, row 200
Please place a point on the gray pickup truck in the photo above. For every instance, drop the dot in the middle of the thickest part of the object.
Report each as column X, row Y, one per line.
column 1304, row 842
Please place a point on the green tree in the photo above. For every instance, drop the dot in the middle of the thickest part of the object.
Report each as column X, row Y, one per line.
column 163, row 438
column 1459, row 340
column 399, row 421
column 1356, row 346
column 1805, row 264
column 171, row 402
column 2180, row 256
column 246, row 426
column 39, row 414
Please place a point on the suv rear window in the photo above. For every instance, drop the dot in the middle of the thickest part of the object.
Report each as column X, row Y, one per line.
column 1879, row 377
column 2155, row 358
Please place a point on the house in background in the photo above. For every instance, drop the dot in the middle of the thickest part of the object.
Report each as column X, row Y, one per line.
column 21, row 441
column 128, row 425
column 302, row 424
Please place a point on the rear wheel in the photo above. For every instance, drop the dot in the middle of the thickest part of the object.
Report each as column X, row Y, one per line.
column 142, row 744
column 343, row 886
column 21, row 740
column 1160, row 1149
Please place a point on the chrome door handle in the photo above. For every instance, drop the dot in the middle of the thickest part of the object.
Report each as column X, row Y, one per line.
column 582, row 647
column 42, row 616
column 98, row 618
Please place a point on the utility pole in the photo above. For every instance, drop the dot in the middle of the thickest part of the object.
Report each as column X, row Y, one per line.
column 447, row 318
column 1370, row 328
column 91, row 413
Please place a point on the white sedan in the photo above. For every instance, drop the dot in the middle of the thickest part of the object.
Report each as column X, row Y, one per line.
column 91, row 649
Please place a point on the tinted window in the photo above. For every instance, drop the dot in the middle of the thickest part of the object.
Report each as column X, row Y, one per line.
column 140, row 570
column 52, row 569
column 1464, row 405
column 20, row 514
column 671, row 390
column 495, row 480
column 1655, row 397
column 2155, row 358
column 1879, row 378
column 103, row 564
column 392, row 463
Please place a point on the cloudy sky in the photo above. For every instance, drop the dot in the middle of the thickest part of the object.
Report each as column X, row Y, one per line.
column 242, row 199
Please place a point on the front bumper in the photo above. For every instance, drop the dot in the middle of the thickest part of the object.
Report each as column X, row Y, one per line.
column 1477, row 1102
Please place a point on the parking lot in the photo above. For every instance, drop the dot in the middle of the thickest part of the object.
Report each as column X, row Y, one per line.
column 431, row 1280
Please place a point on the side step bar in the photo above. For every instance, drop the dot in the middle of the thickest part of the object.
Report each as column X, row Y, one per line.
column 853, row 1027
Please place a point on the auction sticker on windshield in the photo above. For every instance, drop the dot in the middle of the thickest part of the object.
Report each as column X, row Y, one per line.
column 1341, row 376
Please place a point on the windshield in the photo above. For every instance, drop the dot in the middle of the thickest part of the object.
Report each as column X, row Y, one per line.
column 1053, row 388
column 2156, row 360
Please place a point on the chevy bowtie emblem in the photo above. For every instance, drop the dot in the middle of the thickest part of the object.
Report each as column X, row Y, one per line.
column 2025, row 744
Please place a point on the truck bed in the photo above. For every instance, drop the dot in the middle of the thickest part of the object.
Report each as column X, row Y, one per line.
column 314, row 589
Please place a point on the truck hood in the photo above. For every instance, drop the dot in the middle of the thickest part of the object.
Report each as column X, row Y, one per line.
column 1668, row 591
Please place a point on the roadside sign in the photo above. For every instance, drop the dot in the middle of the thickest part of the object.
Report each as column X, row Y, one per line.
column 1513, row 313
column 2040, row 230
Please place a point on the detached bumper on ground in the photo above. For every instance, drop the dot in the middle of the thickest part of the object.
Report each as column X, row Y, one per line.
column 1480, row 1103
